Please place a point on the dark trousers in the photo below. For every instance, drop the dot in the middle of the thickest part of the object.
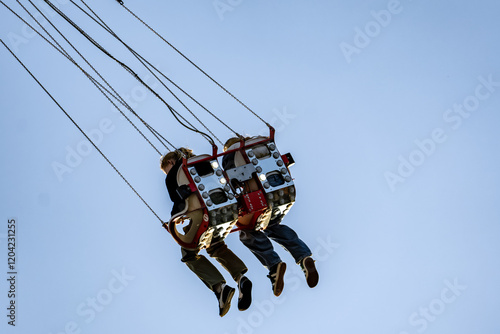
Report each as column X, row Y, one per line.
column 206, row 271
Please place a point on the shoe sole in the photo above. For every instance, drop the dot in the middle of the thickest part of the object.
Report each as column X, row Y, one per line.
column 280, row 281
column 226, row 307
column 246, row 299
column 312, row 276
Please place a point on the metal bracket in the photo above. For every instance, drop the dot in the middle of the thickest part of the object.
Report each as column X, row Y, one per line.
column 241, row 173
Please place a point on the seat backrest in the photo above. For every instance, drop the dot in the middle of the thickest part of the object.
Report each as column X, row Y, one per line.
column 197, row 158
column 193, row 210
column 255, row 139
column 261, row 151
column 238, row 157
column 193, row 203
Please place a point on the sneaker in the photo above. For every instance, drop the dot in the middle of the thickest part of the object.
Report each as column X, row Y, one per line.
column 224, row 296
column 309, row 269
column 245, row 297
column 276, row 275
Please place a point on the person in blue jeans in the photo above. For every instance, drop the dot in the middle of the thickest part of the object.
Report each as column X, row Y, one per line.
column 259, row 242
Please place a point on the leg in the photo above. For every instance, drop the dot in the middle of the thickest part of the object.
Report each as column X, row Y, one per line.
column 289, row 239
column 203, row 268
column 209, row 275
column 260, row 245
column 236, row 268
column 227, row 259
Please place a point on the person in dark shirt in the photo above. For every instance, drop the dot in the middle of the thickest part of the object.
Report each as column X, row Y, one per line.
column 259, row 242
column 200, row 265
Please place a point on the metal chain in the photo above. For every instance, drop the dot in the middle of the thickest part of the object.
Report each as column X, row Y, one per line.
column 127, row 68
column 98, row 85
column 192, row 63
column 143, row 61
column 83, row 132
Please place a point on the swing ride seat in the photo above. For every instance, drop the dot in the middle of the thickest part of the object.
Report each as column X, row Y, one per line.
column 214, row 205
column 262, row 180
column 210, row 211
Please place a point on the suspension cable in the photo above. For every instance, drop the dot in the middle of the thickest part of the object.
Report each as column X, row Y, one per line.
column 83, row 132
column 101, row 22
column 98, row 85
column 128, row 69
column 191, row 62
column 143, row 61
column 116, row 95
column 155, row 133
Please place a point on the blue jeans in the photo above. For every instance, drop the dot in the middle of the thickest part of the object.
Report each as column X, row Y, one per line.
column 259, row 244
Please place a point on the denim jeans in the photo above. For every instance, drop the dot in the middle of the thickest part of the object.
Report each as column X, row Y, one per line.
column 259, row 244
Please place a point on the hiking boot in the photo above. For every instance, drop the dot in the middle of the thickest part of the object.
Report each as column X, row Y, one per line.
column 276, row 275
column 309, row 269
column 224, row 295
column 245, row 297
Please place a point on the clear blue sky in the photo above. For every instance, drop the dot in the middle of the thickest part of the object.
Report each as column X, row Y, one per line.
column 390, row 108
